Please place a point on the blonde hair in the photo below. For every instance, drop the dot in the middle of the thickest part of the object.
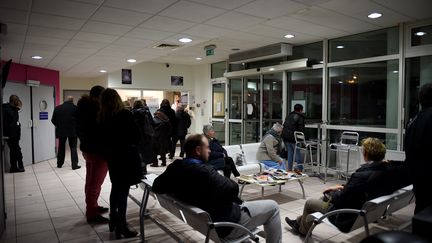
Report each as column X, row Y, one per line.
column 373, row 149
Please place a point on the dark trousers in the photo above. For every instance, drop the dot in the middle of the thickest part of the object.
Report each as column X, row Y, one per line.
column 15, row 154
column 173, row 142
column 118, row 202
column 230, row 167
column 182, row 141
column 61, row 151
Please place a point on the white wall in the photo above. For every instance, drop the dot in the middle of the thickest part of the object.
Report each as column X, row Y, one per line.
column 156, row 76
column 67, row 83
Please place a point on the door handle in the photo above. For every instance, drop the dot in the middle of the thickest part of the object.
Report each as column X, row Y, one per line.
column 30, row 123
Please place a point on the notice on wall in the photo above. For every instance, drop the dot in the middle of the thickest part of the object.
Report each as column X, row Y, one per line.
column 43, row 115
column 218, row 107
column 126, row 76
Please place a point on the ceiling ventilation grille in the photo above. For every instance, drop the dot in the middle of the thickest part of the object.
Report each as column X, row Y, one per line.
column 166, row 46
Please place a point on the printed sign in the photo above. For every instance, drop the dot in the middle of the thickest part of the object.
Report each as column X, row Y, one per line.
column 43, row 115
column 126, row 76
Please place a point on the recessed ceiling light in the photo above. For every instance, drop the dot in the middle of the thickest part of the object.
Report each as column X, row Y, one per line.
column 198, row 58
column 395, row 71
column 271, row 69
column 37, row 57
column 131, row 60
column 340, row 47
column 102, row 71
column 321, row 62
column 185, row 40
column 374, row 15
column 420, row 33
column 289, row 36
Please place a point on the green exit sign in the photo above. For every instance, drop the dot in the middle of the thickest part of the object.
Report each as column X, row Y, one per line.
column 209, row 52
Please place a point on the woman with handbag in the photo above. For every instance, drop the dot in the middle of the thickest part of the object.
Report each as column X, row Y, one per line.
column 121, row 139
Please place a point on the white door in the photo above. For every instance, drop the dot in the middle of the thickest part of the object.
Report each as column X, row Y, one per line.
column 43, row 129
column 23, row 93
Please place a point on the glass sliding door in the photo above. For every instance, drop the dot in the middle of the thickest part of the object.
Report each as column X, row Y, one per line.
column 272, row 100
column 252, row 104
column 235, row 90
column 218, row 110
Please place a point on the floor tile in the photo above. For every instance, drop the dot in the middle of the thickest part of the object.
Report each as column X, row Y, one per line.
column 34, row 227
column 45, row 237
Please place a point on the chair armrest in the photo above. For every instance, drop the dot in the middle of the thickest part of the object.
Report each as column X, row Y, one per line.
column 318, row 217
column 235, row 226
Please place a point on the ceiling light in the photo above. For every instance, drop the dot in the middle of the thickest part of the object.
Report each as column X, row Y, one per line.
column 321, row 62
column 271, row 69
column 374, row 15
column 395, row 71
column 37, row 57
column 340, row 47
column 198, row 58
column 289, row 36
column 102, row 71
column 420, row 33
column 131, row 60
column 185, row 40
column 341, row 82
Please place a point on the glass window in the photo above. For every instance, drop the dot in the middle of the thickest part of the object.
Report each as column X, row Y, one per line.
column 235, row 134
column 313, row 51
column 418, row 73
column 218, row 69
column 219, row 128
column 129, row 95
column 370, row 44
column 364, row 94
column 219, row 100
column 252, row 132
column 389, row 139
column 421, row 36
column 252, row 98
column 305, row 87
column 235, row 98
column 272, row 100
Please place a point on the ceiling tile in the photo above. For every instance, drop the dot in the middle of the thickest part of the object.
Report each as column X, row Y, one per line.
column 235, row 20
column 120, row 51
column 106, row 28
column 16, row 4
column 86, row 44
column 278, row 34
column 207, row 31
column 147, row 6
column 416, row 9
column 166, row 24
column 226, row 4
column 79, row 50
column 11, row 37
column 311, row 2
column 40, row 47
column 119, row 16
column 16, row 28
column 66, row 55
column 148, row 34
column 189, row 11
column 271, row 8
column 294, row 25
column 331, row 19
column 361, row 9
column 174, row 39
column 45, row 40
column 94, row 2
column 13, row 16
column 136, row 42
column 87, row 36
column 64, row 8
column 56, row 21
column 50, row 32
column 9, row 53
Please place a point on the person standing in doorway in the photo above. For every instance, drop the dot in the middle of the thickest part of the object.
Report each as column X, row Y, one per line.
column 12, row 130
column 64, row 120
column 183, row 123
column 165, row 107
column 294, row 122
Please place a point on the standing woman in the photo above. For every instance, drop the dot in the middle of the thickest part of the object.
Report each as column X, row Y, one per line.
column 121, row 138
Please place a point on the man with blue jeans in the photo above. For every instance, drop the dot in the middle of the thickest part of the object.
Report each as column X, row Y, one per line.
column 295, row 121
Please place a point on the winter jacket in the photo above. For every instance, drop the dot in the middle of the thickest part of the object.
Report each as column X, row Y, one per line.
column 295, row 121
column 64, row 120
column 145, row 123
column 217, row 154
column 162, row 127
column 183, row 123
column 11, row 124
column 170, row 113
column 88, row 128
column 268, row 149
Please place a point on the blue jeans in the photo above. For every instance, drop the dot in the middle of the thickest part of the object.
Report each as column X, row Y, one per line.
column 298, row 158
column 270, row 164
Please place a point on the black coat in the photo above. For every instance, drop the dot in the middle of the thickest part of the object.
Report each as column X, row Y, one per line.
column 163, row 130
column 11, row 124
column 202, row 186
column 418, row 143
column 64, row 120
column 170, row 113
column 88, row 129
column 217, row 154
column 295, row 121
column 145, row 123
column 370, row 181
column 121, row 139
column 183, row 123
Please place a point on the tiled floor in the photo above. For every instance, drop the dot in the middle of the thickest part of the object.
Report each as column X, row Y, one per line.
column 46, row 204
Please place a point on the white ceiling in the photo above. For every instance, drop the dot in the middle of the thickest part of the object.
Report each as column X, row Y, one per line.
column 80, row 37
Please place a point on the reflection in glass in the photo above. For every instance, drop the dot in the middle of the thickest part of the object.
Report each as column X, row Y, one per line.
column 219, row 128
column 370, row 44
column 364, row 94
column 235, row 98
column 218, row 69
column 312, row 51
column 218, row 100
column 305, row 87
column 235, row 134
column 252, row 98
column 272, row 100
column 421, row 36
column 389, row 139
column 252, row 134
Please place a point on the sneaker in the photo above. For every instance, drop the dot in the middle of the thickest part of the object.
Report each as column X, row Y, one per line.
column 294, row 225
column 76, row 167
column 101, row 209
column 97, row 220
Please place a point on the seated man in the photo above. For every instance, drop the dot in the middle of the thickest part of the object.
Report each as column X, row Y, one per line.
column 197, row 183
column 269, row 148
column 373, row 179
column 219, row 158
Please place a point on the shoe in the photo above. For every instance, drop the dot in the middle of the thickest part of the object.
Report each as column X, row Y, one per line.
column 294, row 225
column 76, row 167
column 17, row 170
column 298, row 172
column 163, row 164
column 154, row 165
column 59, row 166
column 243, row 182
column 125, row 231
column 97, row 220
column 101, row 209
